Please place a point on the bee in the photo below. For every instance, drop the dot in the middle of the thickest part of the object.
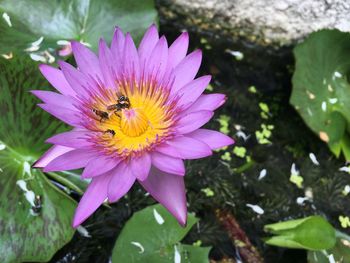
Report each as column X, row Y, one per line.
column 102, row 114
column 122, row 103
column 110, row 131
column 37, row 204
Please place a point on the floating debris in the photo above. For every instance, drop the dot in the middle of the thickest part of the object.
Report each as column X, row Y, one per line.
column 208, row 192
column 346, row 190
column 345, row 169
column 7, row 19
column 309, row 111
column 301, row 200
column 333, row 100
column 241, row 134
column 313, row 159
column 252, row 89
column 330, row 89
column 257, row 209
column 337, row 74
column 311, row 95
column 137, row 244
column 26, row 169
column 2, row 146
column 237, row 54
column 324, row 106
column 37, row 57
column 324, row 136
column 295, row 177
column 331, row 258
column 262, row 174
column 158, row 217
column 7, row 56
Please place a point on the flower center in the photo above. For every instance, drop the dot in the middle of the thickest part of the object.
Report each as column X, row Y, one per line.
column 133, row 122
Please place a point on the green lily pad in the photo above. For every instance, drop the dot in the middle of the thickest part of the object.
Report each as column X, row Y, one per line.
column 321, row 90
column 312, row 233
column 340, row 252
column 35, row 217
column 153, row 235
column 83, row 20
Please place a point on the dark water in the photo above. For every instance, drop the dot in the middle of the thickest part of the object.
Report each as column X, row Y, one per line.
column 270, row 72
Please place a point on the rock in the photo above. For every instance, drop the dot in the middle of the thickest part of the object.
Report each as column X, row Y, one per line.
column 274, row 23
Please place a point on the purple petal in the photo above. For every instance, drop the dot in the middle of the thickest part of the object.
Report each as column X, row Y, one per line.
column 117, row 45
column 54, row 98
column 121, row 182
column 214, row 139
column 51, row 154
column 157, row 63
column 147, row 44
column 107, row 65
column 75, row 78
column 69, row 161
column 178, row 49
column 186, row 70
column 185, row 148
column 66, row 115
column 168, row 164
column 57, row 79
column 193, row 121
column 140, row 166
column 87, row 60
column 191, row 92
column 73, row 139
column 99, row 165
column 169, row 190
column 131, row 62
column 93, row 197
column 208, row 102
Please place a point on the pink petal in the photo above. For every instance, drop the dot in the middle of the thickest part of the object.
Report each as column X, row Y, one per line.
column 147, row 44
column 66, row 115
column 121, row 182
column 214, row 139
column 107, row 65
column 191, row 92
column 52, row 153
column 185, row 148
column 117, row 45
column 168, row 164
column 208, row 102
column 99, row 165
column 57, row 79
column 178, row 49
column 87, row 60
column 54, row 98
column 73, row 139
column 131, row 62
column 169, row 190
column 75, row 78
column 193, row 121
column 93, row 197
column 140, row 166
column 69, row 161
column 157, row 62
column 186, row 70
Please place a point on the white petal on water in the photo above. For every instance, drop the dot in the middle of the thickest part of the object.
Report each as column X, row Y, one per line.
column 30, row 196
column 137, row 244
column 26, row 169
column 337, row 74
column 158, row 217
column 37, row 57
column 23, row 185
column 7, row 19
column 262, row 174
column 324, row 106
column 237, row 54
column 38, row 42
column 346, row 190
column 313, row 159
column 257, row 209
column 177, row 256
column 2, row 146
column 241, row 134
column 333, row 100
column 32, row 49
column 309, row 111
column 63, row 42
column 331, row 258
column 345, row 169
column 83, row 231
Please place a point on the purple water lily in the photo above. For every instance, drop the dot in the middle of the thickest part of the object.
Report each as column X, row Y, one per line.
column 136, row 114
